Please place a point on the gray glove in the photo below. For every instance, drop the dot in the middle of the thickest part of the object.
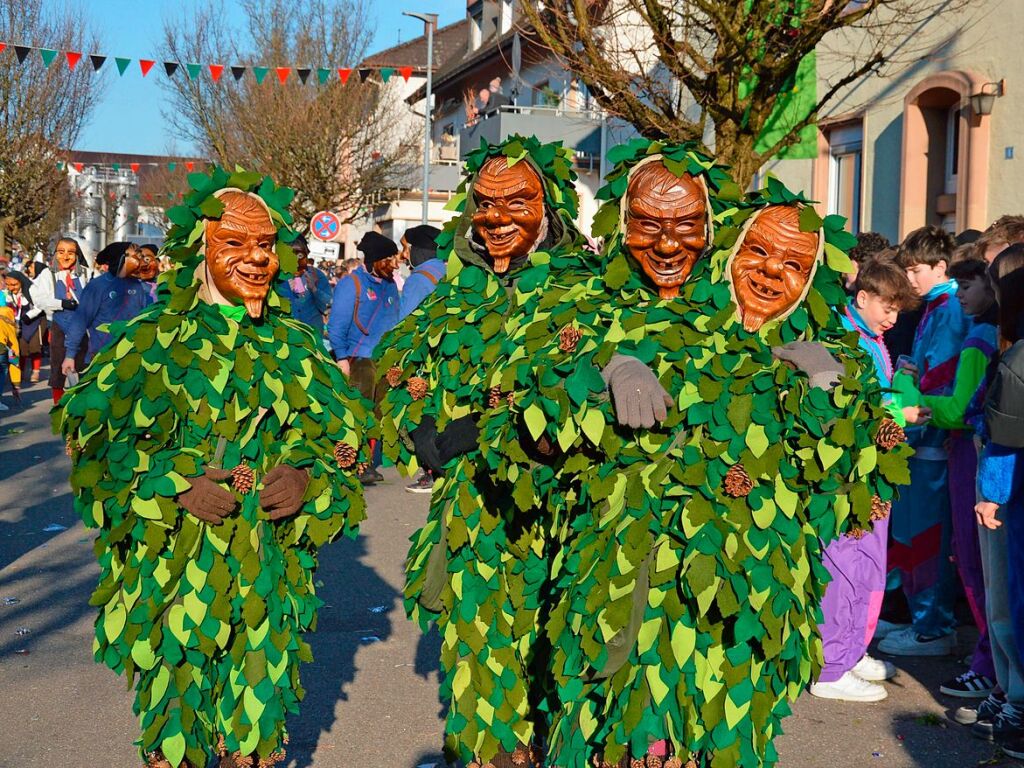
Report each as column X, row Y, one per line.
column 639, row 398
column 812, row 358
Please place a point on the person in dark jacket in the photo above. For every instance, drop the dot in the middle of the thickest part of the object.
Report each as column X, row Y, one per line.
column 118, row 294
column 366, row 305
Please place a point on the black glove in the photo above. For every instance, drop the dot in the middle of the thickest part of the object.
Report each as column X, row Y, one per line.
column 640, row 400
column 812, row 358
column 208, row 500
column 69, row 304
column 283, row 489
column 459, row 438
column 424, row 441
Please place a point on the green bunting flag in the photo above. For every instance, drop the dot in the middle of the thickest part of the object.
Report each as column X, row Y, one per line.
column 323, row 75
column 122, row 64
column 47, row 55
column 386, row 72
column 260, row 73
column 193, row 70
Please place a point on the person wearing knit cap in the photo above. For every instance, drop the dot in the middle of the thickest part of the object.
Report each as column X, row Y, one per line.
column 365, row 307
column 307, row 291
column 118, row 294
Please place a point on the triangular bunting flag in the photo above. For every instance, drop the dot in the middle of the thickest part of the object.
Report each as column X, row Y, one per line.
column 47, row 55
column 406, row 73
column 21, row 51
column 122, row 64
column 145, row 65
column 170, row 67
column 344, row 74
column 238, row 72
column 171, row 166
column 260, row 73
column 73, row 58
column 189, row 165
column 304, row 73
column 97, row 61
column 323, row 75
column 79, row 166
column 193, row 70
column 60, row 166
column 3, row 47
column 386, row 72
column 116, row 166
column 216, row 70
column 282, row 73
column 363, row 74
column 134, row 167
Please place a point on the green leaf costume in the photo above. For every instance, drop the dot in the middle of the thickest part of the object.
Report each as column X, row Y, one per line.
column 688, row 576
column 474, row 569
column 207, row 620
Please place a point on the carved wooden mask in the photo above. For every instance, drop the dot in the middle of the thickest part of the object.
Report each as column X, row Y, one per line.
column 141, row 263
column 509, row 212
column 240, row 252
column 772, row 265
column 666, row 227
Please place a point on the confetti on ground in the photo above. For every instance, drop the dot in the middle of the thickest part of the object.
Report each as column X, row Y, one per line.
column 11, row 601
column 378, row 609
column 22, row 652
column 370, row 639
column 54, row 527
column 22, row 631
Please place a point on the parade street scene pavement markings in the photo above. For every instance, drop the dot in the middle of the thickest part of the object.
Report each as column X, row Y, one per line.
column 371, row 693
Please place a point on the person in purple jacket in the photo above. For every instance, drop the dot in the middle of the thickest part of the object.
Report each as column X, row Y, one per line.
column 853, row 597
column 365, row 307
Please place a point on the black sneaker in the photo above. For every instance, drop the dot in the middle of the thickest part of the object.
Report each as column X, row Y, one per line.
column 969, row 685
column 368, row 477
column 425, row 484
column 377, row 476
column 985, row 710
column 1013, row 746
column 1008, row 722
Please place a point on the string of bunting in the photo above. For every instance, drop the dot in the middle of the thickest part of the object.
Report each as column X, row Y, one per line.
column 321, row 75
column 188, row 165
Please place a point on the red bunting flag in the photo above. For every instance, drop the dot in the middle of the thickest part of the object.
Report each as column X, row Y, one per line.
column 406, row 73
column 134, row 167
column 282, row 73
column 189, row 165
column 73, row 58
column 145, row 65
column 344, row 74
column 79, row 166
column 216, row 70
column 2, row 47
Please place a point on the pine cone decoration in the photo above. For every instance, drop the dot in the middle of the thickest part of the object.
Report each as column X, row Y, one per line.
column 511, row 398
column 737, row 482
column 856, row 533
column 69, row 447
column 520, row 755
column 394, row 375
column 361, row 467
column 653, row 761
column 474, row 764
column 673, row 762
column 345, row 454
column 636, row 762
column 494, row 397
column 273, row 759
column 879, row 509
column 417, row 387
column 691, row 763
column 156, row 760
column 243, row 478
column 890, row 434
column 568, row 338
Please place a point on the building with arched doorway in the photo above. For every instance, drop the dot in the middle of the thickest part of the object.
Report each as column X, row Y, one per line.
column 934, row 141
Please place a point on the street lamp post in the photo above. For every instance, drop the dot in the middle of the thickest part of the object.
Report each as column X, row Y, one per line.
column 429, row 20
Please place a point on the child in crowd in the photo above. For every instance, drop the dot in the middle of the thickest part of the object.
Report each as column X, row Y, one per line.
column 959, row 412
column 1001, row 500
column 9, row 369
column 853, row 598
column 921, row 520
column 1004, row 232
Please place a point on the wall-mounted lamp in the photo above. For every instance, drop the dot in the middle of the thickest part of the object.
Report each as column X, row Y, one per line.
column 983, row 101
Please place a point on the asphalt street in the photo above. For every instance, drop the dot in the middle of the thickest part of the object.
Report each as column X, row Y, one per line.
column 372, row 690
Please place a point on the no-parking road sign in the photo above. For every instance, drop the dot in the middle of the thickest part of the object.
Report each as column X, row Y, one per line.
column 325, row 226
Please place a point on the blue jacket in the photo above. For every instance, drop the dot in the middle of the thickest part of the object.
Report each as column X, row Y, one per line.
column 871, row 343
column 106, row 299
column 312, row 304
column 420, row 284
column 365, row 308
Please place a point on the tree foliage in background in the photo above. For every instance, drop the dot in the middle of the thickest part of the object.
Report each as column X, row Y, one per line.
column 42, row 111
column 334, row 143
column 681, row 69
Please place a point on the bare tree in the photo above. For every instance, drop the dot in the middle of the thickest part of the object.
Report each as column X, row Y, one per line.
column 42, row 112
column 679, row 68
column 334, row 143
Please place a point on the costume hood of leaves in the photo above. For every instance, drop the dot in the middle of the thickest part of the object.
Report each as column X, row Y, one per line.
column 553, row 164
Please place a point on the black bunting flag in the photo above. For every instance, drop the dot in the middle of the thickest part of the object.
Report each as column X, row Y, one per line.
column 97, row 61
column 304, row 73
column 170, row 67
column 21, row 51
column 238, row 72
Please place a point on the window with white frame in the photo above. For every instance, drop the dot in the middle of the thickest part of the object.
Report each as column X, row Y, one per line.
column 845, row 144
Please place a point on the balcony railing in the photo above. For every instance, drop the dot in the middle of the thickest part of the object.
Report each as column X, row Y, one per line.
column 578, row 129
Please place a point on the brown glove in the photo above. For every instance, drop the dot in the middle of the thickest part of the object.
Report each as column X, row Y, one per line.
column 206, row 499
column 283, row 489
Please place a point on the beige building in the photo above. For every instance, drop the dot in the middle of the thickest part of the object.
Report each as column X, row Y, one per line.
column 912, row 147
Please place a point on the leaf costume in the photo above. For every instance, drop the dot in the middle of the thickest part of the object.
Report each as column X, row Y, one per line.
column 473, row 569
column 207, row 620
column 689, row 578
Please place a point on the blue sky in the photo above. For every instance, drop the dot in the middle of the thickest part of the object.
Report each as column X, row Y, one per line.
column 129, row 120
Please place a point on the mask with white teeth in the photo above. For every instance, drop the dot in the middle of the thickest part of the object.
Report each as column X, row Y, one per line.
column 508, row 220
column 772, row 265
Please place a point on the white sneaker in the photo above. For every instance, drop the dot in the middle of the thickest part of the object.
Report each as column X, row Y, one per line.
column 886, row 628
column 910, row 643
column 874, row 670
column 849, row 687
